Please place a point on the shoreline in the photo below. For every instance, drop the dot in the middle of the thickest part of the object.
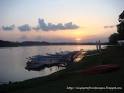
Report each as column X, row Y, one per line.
column 53, row 45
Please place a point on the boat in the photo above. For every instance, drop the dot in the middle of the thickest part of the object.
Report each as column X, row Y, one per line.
column 101, row 69
column 37, row 62
column 63, row 59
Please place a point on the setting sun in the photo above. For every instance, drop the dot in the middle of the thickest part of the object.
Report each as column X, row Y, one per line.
column 78, row 39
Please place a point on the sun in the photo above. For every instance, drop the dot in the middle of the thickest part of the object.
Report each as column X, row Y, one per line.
column 78, row 39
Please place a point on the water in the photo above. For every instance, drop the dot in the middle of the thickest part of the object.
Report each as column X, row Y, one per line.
column 13, row 60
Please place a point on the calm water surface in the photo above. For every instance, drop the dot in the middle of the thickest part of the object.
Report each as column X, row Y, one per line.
column 13, row 60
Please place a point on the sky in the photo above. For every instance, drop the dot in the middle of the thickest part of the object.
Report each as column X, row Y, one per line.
column 59, row 20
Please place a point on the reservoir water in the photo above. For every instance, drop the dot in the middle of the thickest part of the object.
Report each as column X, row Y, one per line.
column 13, row 60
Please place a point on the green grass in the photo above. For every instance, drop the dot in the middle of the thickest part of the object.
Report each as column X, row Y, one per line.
column 58, row 82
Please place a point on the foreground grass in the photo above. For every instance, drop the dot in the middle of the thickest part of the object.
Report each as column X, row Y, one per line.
column 59, row 81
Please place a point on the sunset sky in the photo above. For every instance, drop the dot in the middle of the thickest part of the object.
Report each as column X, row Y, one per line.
column 59, row 20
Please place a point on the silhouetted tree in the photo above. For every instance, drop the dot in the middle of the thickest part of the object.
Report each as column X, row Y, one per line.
column 113, row 38
column 120, row 29
column 121, row 17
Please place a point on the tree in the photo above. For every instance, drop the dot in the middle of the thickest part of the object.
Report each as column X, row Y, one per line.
column 120, row 29
column 113, row 38
column 121, row 17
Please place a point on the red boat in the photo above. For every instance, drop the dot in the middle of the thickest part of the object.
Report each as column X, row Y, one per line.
column 101, row 69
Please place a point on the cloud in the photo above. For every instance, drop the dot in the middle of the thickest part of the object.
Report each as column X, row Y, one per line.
column 53, row 27
column 36, row 28
column 24, row 27
column 43, row 26
column 8, row 28
column 70, row 26
column 111, row 26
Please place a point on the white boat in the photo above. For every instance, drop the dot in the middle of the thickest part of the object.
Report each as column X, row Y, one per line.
column 57, row 59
